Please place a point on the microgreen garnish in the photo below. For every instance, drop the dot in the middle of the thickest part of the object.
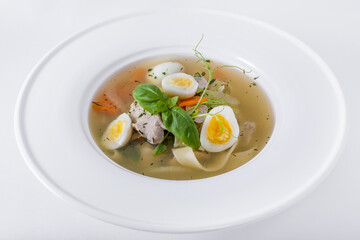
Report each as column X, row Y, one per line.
column 206, row 65
column 215, row 116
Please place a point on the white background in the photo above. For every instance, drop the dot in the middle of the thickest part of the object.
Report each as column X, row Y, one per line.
column 28, row 29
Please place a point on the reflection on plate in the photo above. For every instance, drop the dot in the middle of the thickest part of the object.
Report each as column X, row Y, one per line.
column 52, row 129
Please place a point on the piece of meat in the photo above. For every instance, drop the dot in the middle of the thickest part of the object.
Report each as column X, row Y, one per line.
column 219, row 89
column 202, row 82
column 218, row 86
column 202, row 110
column 246, row 131
column 148, row 125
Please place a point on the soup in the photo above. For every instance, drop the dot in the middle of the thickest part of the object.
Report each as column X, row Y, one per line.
column 182, row 124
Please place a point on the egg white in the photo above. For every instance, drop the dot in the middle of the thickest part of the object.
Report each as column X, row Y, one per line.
column 162, row 70
column 229, row 115
column 175, row 90
column 109, row 141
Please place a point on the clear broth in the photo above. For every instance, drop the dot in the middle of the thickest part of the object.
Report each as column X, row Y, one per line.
column 254, row 106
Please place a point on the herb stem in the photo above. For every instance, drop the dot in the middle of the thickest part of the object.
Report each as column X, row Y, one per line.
column 206, row 65
column 208, row 68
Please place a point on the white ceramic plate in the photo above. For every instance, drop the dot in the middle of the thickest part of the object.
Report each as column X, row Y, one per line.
column 53, row 134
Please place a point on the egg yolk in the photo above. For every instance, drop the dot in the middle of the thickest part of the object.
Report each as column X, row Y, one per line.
column 116, row 130
column 181, row 82
column 215, row 133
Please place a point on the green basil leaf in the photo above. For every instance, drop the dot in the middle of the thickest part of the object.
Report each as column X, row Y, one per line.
column 150, row 98
column 171, row 102
column 179, row 123
column 160, row 148
column 148, row 93
column 154, row 107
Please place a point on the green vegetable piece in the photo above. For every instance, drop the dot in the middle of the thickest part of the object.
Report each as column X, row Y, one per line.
column 197, row 75
column 171, row 102
column 179, row 123
column 212, row 81
column 160, row 148
column 131, row 152
column 151, row 98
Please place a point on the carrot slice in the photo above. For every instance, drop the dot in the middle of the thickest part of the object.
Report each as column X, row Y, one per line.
column 126, row 87
column 192, row 101
column 111, row 99
column 104, row 104
column 108, row 101
column 138, row 75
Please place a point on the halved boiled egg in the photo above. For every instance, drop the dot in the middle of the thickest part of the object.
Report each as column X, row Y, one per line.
column 216, row 136
column 179, row 84
column 162, row 70
column 118, row 133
